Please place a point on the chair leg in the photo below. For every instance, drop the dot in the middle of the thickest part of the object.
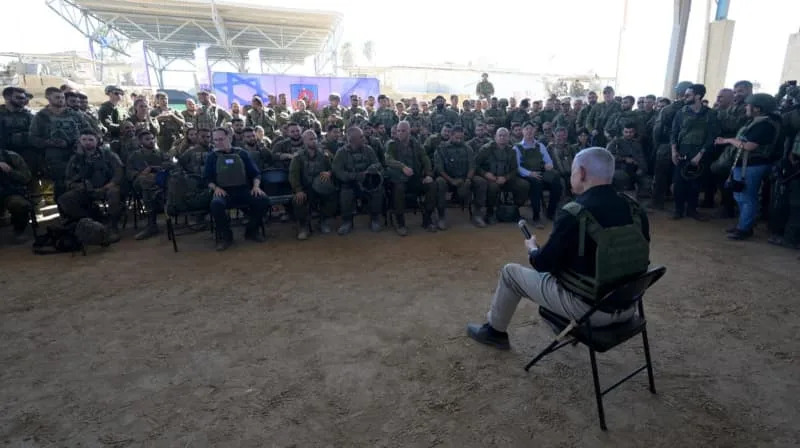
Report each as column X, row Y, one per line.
column 597, row 392
column 649, row 362
column 171, row 234
column 550, row 348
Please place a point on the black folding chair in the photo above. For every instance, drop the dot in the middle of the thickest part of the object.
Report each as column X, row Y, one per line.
column 602, row 339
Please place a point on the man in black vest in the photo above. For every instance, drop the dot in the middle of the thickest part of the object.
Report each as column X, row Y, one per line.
column 233, row 177
column 559, row 262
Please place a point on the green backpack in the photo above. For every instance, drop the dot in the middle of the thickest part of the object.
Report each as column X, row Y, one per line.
column 622, row 252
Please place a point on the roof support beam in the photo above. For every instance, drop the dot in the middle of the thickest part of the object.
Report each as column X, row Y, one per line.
column 89, row 25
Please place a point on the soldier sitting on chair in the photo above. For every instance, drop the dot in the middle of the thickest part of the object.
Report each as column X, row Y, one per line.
column 630, row 164
column 142, row 167
column 14, row 179
column 311, row 177
column 496, row 167
column 454, row 164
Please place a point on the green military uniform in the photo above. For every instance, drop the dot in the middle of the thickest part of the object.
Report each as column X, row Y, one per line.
column 264, row 118
column 13, row 186
column 207, row 117
column 170, row 127
column 350, row 113
column 66, row 127
column 329, row 110
column 468, row 119
column 518, row 115
column 349, row 166
column 418, row 121
column 617, row 121
column 691, row 133
column 145, row 184
column 147, row 124
column 476, row 143
column 87, row 176
column 598, row 117
column 285, row 146
column 411, row 155
column 457, row 161
column 94, row 123
column 626, row 172
column 441, row 117
column 547, row 115
column 385, row 116
column 583, row 116
column 432, row 143
column 498, row 114
column 731, row 119
column 501, row 162
column 332, row 146
column 304, row 118
column 662, row 170
column 260, row 155
column 15, row 128
column 303, row 170
column 562, row 156
column 484, row 89
column 111, row 117
column 378, row 147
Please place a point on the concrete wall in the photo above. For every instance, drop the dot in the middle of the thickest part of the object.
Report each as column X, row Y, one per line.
column 720, row 36
column 791, row 64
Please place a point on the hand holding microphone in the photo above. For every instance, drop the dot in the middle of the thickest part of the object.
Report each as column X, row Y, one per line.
column 530, row 240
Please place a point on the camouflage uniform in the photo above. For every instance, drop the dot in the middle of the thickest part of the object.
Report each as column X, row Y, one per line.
column 67, row 127
column 15, row 128
column 567, row 121
column 457, row 160
column 384, row 116
column 349, row 166
column 304, row 118
column 302, row 172
column 86, row 175
column 13, row 186
column 329, row 110
column 498, row 114
column 145, row 184
column 440, row 117
column 264, row 118
column 285, row 146
column 350, row 113
column 626, row 173
column 484, row 89
column 148, row 124
column 418, row 121
column 662, row 170
column 410, row 154
column 598, row 117
column 207, row 117
column 111, row 117
column 500, row 162
column 170, row 127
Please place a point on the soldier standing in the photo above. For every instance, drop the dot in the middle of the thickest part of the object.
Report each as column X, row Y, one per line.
column 258, row 115
column 170, row 122
column 496, row 166
column 441, row 116
column 350, row 166
column 111, row 114
column 591, row 101
column 599, row 115
column 484, row 89
column 454, row 165
column 311, row 177
column 410, row 171
column 15, row 128
column 626, row 115
column 662, row 133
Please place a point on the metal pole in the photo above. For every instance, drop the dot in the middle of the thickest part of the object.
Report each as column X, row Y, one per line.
column 619, row 42
column 679, row 26
column 702, row 66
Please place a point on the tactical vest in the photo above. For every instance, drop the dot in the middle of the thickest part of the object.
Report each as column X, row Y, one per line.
column 15, row 128
column 498, row 160
column 622, row 252
column 97, row 169
column 312, row 167
column 694, row 127
column 456, row 161
column 231, row 171
column 764, row 153
column 532, row 158
column 357, row 160
column 663, row 125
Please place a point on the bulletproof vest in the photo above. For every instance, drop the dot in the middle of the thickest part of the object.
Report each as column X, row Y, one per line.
column 407, row 155
column 438, row 120
column 663, row 126
column 622, row 252
column 456, row 160
column 498, row 160
column 385, row 117
column 764, row 152
column 694, row 127
column 97, row 169
column 532, row 158
column 624, row 148
column 468, row 121
column 15, row 128
column 358, row 161
column 194, row 159
column 312, row 167
column 231, row 171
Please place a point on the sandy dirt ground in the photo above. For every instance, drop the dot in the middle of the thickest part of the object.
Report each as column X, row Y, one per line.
column 360, row 342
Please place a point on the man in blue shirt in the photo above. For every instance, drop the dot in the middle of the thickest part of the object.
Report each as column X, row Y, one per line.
column 535, row 166
column 233, row 177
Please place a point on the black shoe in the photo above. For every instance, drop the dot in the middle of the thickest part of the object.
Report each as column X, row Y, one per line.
column 255, row 236
column 740, row 235
column 485, row 334
column 697, row 216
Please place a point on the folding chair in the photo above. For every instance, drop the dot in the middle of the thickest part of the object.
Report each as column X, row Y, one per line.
column 275, row 182
column 172, row 225
column 602, row 339
column 413, row 203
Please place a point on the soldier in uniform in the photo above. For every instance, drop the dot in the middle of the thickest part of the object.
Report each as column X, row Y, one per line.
column 550, row 111
column 626, row 115
column 332, row 140
column 454, row 166
column 303, row 117
column 410, row 171
column 599, row 115
column 233, row 177
column 89, row 115
column 284, row 150
column 560, row 151
column 693, row 132
column 354, row 109
column 170, row 122
column 15, row 128
column 350, row 165
column 441, row 115
column 484, row 89
column 92, row 174
column 237, row 128
column 516, row 133
column 374, row 142
column 468, row 118
column 111, row 114
column 259, row 153
column 496, row 113
column 141, row 119
column 258, row 115
column 566, row 119
column 334, row 108
column 384, row 115
column 141, row 169
column 662, row 133
column 433, row 142
column 14, row 180
column 481, row 138
column 591, row 101
column 630, row 165
column 731, row 114
column 496, row 167
column 206, row 114
column 417, row 121
column 55, row 130
column 536, row 167
column 311, row 177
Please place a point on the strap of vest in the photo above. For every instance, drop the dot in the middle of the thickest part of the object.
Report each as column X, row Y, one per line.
column 575, row 209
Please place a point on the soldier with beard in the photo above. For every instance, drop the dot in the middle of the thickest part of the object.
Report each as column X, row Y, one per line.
column 496, row 166
column 82, row 107
column 284, row 151
column 550, row 111
column 350, row 166
column 355, row 109
column 141, row 119
column 258, row 115
column 468, row 119
column 454, row 165
column 662, row 131
column 591, row 101
column 92, row 174
column 334, row 108
column 630, row 165
column 384, row 115
column 15, row 128
column 333, row 140
column 410, row 171
column 141, row 170
column 496, row 113
column 55, row 131
column 433, row 142
column 481, row 138
column 170, row 122
column 417, row 121
column 599, row 116
column 311, row 177
column 626, row 115
column 566, row 119
column 237, row 127
column 441, row 116
column 256, row 149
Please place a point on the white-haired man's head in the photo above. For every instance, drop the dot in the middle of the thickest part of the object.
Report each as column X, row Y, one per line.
column 592, row 167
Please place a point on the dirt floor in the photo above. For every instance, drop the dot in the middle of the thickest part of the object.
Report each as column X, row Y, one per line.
column 360, row 342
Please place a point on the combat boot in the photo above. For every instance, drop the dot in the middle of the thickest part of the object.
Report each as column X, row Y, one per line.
column 324, row 226
column 375, row 224
column 150, row 230
column 400, row 224
column 302, row 231
column 441, row 224
column 346, row 227
column 490, row 217
column 427, row 222
column 477, row 217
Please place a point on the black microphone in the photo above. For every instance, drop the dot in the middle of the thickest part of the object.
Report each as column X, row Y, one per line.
column 523, row 227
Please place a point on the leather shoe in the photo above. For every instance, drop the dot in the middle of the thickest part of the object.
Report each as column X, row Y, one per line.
column 485, row 334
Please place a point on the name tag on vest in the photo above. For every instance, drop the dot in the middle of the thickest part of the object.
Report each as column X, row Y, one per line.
column 229, row 162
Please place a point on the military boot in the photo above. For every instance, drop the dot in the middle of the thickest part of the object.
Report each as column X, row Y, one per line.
column 375, row 224
column 441, row 224
column 346, row 227
column 302, row 231
column 427, row 222
column 150, row 230
column 490, row 217
column 400, row 224
column 324, row 226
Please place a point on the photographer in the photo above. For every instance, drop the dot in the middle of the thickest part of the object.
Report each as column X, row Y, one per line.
column 565, row 278
column 755, row 144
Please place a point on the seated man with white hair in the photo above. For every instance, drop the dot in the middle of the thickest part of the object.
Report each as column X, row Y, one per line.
column 565, row 278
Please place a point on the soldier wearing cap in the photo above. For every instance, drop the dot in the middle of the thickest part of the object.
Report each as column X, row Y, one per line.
column 170, row 122
column 311, row 177
column 111, row 114
column 350, row 166
column 484, row 89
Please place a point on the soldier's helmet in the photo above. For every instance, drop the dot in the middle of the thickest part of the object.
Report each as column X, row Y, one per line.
column 680, row 89
column 763, row 101
column 323, row 188
column 484, row 75
column 372, row 181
